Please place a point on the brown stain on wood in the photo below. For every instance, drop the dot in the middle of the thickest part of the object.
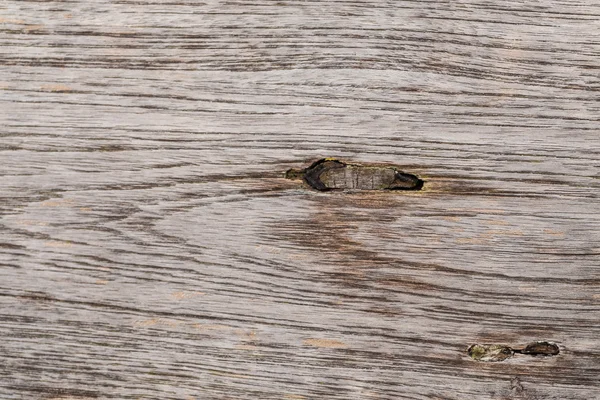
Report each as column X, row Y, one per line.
column 183, row 295
column 324, row 343
column 58, row 88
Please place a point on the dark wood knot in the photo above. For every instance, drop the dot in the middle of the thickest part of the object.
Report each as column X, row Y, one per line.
column 330, row 174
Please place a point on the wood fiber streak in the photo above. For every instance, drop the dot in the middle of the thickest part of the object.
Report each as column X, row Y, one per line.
column 150, row 247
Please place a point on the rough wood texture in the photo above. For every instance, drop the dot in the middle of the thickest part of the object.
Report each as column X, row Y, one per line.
column 151, row 249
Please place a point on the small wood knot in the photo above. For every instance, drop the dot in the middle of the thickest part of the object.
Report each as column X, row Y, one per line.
column 541, row 349
column 498, row 352
column 489, row 352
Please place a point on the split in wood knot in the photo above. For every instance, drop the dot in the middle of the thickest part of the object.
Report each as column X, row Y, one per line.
column 331, row 174
column 498, row 352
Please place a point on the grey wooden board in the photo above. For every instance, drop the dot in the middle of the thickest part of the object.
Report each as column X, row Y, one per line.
column 150, row 248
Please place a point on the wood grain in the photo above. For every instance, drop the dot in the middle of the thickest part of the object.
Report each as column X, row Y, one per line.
column 151, row 248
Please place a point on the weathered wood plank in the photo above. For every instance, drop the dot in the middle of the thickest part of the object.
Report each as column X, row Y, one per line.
column 152, row 249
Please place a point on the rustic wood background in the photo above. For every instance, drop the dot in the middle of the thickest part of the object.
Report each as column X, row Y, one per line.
column 150, row 248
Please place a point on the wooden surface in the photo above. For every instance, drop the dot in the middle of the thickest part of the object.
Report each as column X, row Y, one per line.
column 151, row 249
